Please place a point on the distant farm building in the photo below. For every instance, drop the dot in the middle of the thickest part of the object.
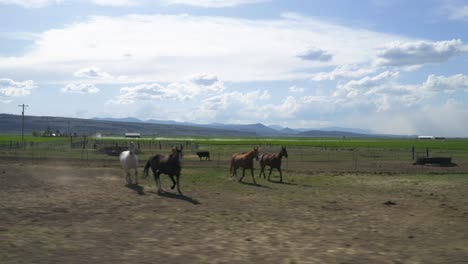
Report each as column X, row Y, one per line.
column 132, row 135
column 430, row 137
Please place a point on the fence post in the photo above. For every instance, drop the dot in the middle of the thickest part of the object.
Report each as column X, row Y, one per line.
column 32, row 152
column 414, row 152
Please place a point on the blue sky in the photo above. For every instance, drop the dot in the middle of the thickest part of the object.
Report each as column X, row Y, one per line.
column 392, row 66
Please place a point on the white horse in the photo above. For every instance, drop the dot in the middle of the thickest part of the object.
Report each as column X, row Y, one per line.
column 129, row 160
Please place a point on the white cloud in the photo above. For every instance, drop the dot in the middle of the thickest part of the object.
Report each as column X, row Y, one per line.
column 214, row 3
column 447, row 84
column 420, row 52
column 116, row 2
column 316, row 54
column 356, row 88
column 239, row 107
column 178, row 91
column 204, row 79
column 30, row 3
column 456, row 11
column 92, row 73
column 295, row 89
column 10, row 88
column 80, row 88
column 167, row 48
column 344, row 71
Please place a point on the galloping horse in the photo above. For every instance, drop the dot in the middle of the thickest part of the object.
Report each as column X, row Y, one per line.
column 244, row 160
column 274, row 161
column 170, row 165
column 129, row 160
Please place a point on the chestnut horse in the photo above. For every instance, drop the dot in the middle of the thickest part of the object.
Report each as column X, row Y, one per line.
column 170, row 165
column 274, row 161
column 244, row 160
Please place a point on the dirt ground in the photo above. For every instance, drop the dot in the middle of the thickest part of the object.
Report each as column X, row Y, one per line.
column 71, row 213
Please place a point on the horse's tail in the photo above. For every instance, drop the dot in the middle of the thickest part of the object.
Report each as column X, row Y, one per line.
column 145, row 170
column 231, row 169
column 261, row 159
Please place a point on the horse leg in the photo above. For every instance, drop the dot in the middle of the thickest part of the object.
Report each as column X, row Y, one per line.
column 253, row 178
column 173, row 181
column 262, row 168
column 233, row 171
column 158, row 182
column 178, row 184
column 129, row 178
column 136, row 176
column 281, row 174
column 243, row 174
column 269, row 174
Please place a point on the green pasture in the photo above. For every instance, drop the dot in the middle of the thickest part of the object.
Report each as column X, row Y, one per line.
column 387, row 143
column 6, row 139
column 384, row 143
column 242, row 144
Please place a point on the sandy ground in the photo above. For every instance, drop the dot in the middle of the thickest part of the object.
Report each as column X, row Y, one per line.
column 70, row 213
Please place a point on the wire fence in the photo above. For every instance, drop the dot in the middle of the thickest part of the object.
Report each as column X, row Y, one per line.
column 301, row 158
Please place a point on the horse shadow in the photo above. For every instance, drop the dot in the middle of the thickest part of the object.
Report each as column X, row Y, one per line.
column 137, row 188
column 255, row 184
column 178, row 197
column 285, row 183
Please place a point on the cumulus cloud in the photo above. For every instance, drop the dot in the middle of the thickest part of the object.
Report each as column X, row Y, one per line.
column 344, row 71
column 214, row 3
column 10, row 88
column 92, row 73
column 141, row 92
column 420, row 52
column 356, row 88
column 30, row 3
column 204, row 79
column 243, row 107
column 316, row 54
column 382, row 92
column 80, row 88
column 447, row 84
column 178, row 91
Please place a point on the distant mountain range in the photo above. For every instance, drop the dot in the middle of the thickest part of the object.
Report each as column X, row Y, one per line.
column 11, row 124
column 259, row 129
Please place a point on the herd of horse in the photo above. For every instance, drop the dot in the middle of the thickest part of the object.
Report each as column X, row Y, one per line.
column 171, row 165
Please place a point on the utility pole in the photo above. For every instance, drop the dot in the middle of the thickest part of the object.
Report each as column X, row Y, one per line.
column 22, row 122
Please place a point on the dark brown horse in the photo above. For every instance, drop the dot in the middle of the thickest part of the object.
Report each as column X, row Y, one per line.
column 245, row 161
column 274, row 161
column 170, row 165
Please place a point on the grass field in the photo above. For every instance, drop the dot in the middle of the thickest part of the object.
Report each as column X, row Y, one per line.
column 448, row 144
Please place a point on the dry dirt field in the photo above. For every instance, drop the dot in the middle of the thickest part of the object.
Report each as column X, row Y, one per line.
column 70, row 212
